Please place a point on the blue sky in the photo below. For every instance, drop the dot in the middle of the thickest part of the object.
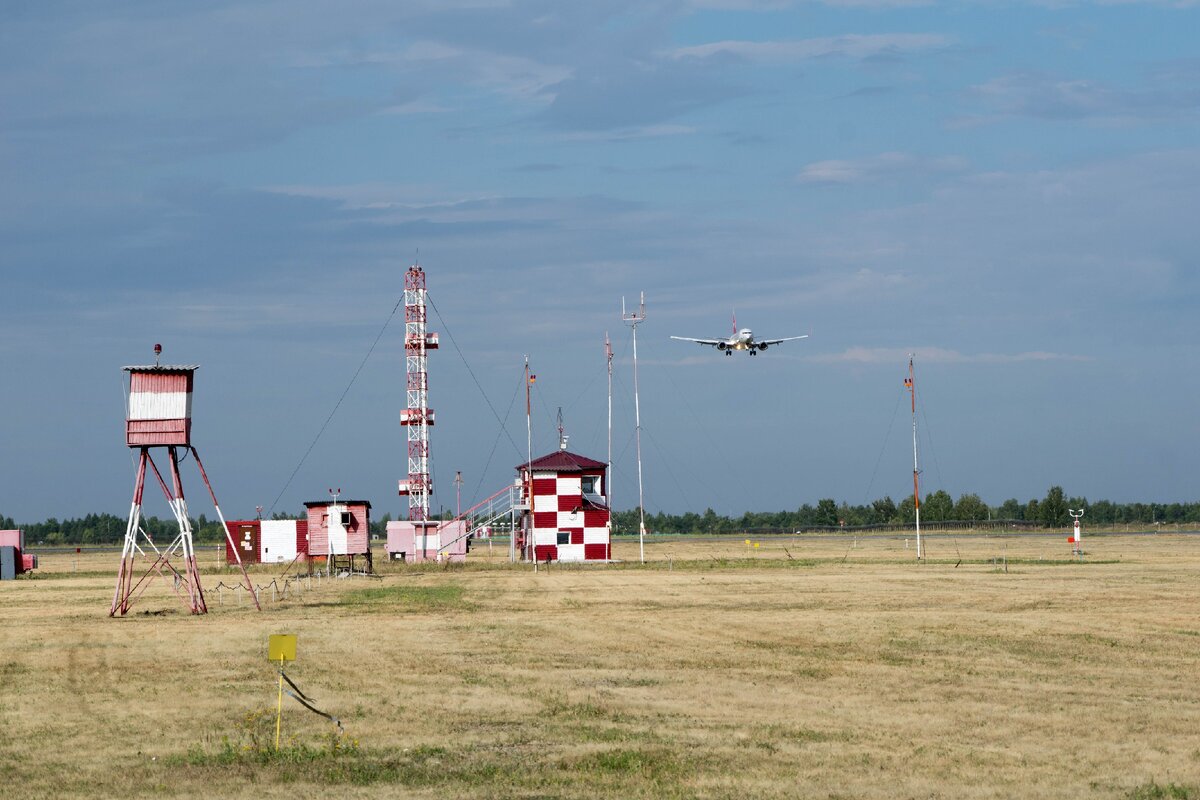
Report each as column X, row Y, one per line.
column 1006, row 189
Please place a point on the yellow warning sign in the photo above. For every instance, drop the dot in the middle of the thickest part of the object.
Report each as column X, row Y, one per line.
column 281, row 647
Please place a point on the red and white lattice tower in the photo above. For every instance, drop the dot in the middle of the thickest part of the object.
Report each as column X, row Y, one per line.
column 418, row 416
column 159, row 415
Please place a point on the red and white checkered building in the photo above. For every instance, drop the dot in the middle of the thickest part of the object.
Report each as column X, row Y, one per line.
column 568, row 518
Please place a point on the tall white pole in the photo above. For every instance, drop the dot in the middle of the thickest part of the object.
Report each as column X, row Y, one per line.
column 608, row 470
column 529, row 454
column 634, row 320
column 911, row 382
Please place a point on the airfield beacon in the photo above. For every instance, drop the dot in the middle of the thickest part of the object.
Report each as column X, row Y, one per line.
column 417, row 417
column 159, row 414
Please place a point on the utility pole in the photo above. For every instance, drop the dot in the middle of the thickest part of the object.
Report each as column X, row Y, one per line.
column 458, row 482
column 634, row 319
column 911, row 383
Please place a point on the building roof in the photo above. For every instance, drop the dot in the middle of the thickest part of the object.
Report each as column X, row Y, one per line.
column 564, row 461
column 315, row 503
column 168, row 368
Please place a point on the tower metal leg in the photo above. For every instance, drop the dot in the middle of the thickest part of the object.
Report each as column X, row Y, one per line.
column 179, row 506
column 120, row 603
column 228, row 536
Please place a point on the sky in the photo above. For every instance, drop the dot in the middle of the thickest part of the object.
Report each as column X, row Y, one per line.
column 1005, row 190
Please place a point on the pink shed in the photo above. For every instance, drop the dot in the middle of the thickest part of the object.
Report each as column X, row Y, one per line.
column 338, row 528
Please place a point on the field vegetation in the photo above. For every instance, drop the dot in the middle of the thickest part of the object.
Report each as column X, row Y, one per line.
column 938, row 509
column 784, row 667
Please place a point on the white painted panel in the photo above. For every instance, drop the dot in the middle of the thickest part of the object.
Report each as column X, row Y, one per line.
column 570, row 552
column 545, row 536
column 338, row 535
column 595, row 535
column 568, row 520
column 160, row 405
column 277, row 539
column 568, row 484
column 425, row 539
column 545, row 502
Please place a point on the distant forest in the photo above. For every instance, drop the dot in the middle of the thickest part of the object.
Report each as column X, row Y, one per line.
column 938, row 509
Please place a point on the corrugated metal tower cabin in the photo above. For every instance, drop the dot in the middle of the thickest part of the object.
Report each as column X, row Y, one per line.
column 266, row 541
column 339, row 530
column 569, row 520
column 159, row 415
column 417, row 417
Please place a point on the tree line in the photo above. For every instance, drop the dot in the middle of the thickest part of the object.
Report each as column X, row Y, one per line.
column 1050, row 511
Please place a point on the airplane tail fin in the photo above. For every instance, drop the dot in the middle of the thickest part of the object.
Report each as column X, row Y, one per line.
column 735, row 323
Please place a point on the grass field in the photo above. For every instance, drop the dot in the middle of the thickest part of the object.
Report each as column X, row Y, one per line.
column 802, row 668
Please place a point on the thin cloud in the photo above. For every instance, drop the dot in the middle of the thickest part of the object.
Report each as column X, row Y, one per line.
column 855, row 46
column 874, row 168
column 937, row 355
column 1048, row 97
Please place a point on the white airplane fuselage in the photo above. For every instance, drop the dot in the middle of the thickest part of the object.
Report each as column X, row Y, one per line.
column 742, row 339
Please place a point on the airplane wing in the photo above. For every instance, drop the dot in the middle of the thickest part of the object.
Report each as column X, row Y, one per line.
column 709, row 342
column 785, row 339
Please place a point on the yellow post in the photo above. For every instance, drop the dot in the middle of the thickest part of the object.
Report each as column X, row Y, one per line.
column 279, row 708
column 283, row 647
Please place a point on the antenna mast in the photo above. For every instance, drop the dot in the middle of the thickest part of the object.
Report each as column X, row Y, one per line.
column 608, row 471
column 417, row 416
column 911, row 383
column 634, row 319
column 529, row 379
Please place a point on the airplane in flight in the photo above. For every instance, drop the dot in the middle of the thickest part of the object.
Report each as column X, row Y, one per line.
column 742, row 339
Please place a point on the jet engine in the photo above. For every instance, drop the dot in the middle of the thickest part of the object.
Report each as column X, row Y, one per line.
column 762, row 346
column 721, row 346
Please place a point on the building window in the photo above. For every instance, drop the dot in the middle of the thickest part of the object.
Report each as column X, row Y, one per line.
column 564, row 537
column 590, row 484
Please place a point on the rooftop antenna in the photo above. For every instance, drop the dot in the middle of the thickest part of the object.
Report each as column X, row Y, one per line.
column 562, row 437
column 635, row 318
column 911, row 384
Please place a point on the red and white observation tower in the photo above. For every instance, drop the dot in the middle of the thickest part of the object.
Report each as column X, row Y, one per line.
column 417, row 417
column 159, row 416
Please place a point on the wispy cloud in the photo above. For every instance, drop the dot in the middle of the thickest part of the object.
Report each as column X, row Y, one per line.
column 1050, row 97
column 856, row 46
column 935, row 355
column 874, row 168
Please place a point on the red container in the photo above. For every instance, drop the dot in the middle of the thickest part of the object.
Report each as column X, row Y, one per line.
column 245, row 535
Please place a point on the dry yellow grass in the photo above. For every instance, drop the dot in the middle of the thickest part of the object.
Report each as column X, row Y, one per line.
column 715, row 671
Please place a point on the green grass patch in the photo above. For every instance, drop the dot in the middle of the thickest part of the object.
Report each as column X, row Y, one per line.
column 1158, row 791
column 652, row 763
column 407, row 598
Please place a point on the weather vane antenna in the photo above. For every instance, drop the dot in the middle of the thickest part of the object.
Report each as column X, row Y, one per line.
column 634, row 319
